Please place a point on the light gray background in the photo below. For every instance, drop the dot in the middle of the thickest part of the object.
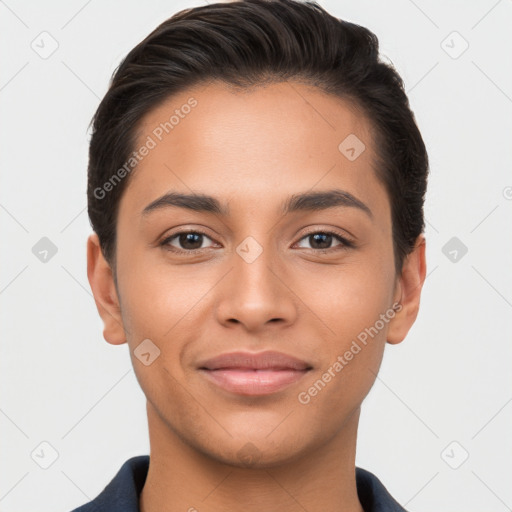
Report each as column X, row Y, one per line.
column 448, row 381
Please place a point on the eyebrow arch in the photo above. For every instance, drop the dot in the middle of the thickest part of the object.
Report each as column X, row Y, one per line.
column 308, row 201
column 316, row 201
column 195, row 202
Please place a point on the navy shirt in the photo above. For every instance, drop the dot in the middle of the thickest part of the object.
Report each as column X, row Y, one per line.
column 122, row 493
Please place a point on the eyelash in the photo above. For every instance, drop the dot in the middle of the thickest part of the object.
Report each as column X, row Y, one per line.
column 345, row 244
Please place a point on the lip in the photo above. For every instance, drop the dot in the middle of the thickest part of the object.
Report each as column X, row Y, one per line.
column 248, row 373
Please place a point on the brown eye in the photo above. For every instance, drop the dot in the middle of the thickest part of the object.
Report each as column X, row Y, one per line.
column 185, row 241
column 323, row 241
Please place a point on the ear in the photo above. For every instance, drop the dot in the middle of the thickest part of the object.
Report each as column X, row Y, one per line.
column 103, row 288
column 408, row 292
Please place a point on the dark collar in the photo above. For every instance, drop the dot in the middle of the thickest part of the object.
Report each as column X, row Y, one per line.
column 122, row 493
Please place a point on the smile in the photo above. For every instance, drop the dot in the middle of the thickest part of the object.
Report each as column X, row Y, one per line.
column 248, row 373
column 253, row 382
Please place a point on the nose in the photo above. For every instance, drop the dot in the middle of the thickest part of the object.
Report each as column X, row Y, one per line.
column 256, row 293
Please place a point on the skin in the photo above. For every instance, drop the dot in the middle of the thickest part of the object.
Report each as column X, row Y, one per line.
column 252, row 150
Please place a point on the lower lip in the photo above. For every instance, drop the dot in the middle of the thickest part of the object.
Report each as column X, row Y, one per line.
column 254, row 382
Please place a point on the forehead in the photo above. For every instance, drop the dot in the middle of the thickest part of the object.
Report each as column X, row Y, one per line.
column 267, row 141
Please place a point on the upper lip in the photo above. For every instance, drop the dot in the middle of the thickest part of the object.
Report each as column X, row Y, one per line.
column 269, row 360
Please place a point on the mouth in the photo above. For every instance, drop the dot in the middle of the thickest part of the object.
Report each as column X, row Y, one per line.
column 246, row 373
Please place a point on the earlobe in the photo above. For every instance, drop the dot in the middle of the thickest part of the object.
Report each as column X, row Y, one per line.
column 104, row 291
column 409, row 289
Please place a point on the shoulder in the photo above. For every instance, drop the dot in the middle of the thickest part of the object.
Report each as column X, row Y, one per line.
column 373, row 495
column 122, row 493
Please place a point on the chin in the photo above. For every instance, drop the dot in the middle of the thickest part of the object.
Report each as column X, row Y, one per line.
column 255, row 452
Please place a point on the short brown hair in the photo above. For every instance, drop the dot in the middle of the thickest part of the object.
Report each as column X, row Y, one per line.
column 251, row 42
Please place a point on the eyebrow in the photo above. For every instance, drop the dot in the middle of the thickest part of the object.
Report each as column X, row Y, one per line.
column 307, row 201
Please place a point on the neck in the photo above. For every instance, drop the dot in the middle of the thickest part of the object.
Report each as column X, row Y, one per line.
column 180, row 478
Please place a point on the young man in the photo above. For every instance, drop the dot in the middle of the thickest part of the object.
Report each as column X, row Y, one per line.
column 256, row 189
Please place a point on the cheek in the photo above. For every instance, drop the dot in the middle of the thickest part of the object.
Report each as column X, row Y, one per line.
column 155, row 296
column 355, row 306
column 352, row 351
column 167, row 306
column 352, row 298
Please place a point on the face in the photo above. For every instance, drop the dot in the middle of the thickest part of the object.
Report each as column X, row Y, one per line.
column 255, row 269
